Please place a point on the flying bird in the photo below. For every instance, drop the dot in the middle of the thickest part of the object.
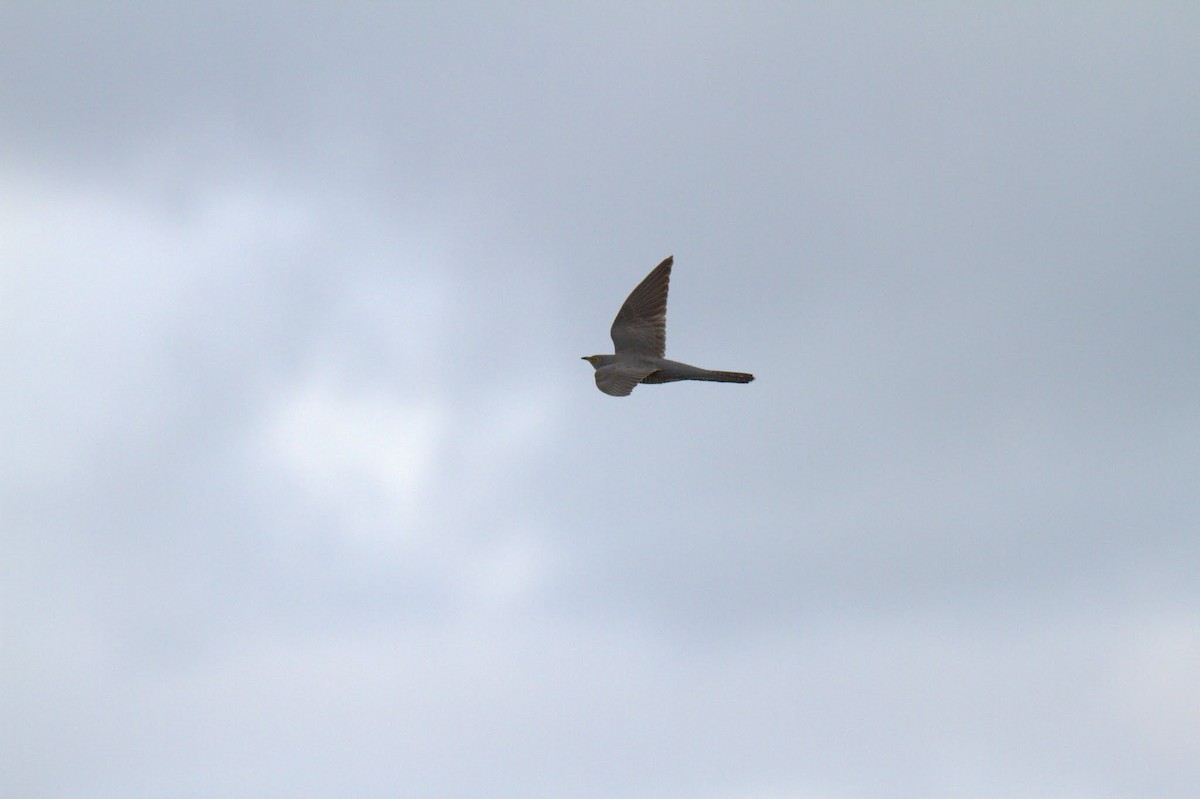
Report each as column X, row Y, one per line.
column 639, row 334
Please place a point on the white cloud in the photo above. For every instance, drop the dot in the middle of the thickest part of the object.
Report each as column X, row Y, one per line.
column 362, row 457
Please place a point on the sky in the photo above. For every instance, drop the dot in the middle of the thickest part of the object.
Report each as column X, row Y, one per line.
column 305, row 492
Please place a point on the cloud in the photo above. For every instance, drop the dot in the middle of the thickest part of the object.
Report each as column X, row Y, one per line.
column 305, row 490
column 365, row 459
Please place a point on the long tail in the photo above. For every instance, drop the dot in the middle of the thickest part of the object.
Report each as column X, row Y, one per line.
column 694, row 373
column 726, row 377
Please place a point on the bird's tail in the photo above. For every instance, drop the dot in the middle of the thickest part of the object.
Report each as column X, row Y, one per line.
column 725, row 377
column 672, row 371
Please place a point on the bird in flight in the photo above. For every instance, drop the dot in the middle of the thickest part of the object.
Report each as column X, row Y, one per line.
column 639, row 334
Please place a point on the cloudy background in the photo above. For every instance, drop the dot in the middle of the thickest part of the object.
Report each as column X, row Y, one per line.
column 306, row 492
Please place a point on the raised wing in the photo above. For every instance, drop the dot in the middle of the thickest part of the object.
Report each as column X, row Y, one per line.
column 641, row 325
column 619, row 380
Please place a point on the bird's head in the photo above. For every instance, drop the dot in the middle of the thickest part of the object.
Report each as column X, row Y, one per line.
column 593, row 360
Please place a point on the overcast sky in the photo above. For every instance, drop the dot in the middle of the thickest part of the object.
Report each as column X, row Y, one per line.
column 305, row 492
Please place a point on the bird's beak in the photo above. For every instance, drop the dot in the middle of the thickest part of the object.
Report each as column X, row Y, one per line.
column 584, row 358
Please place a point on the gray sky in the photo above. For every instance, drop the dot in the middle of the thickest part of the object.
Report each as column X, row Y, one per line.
column 306, row 492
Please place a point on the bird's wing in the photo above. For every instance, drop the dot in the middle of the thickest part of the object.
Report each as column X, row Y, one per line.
column 641, row 325
column 619, row 380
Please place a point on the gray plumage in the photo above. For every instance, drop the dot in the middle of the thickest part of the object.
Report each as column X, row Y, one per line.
column 639, row 335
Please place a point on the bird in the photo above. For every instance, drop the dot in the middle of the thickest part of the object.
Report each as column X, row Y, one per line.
column 639, row 335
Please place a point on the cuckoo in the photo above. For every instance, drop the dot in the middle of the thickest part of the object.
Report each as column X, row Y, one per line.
column 639, row 334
